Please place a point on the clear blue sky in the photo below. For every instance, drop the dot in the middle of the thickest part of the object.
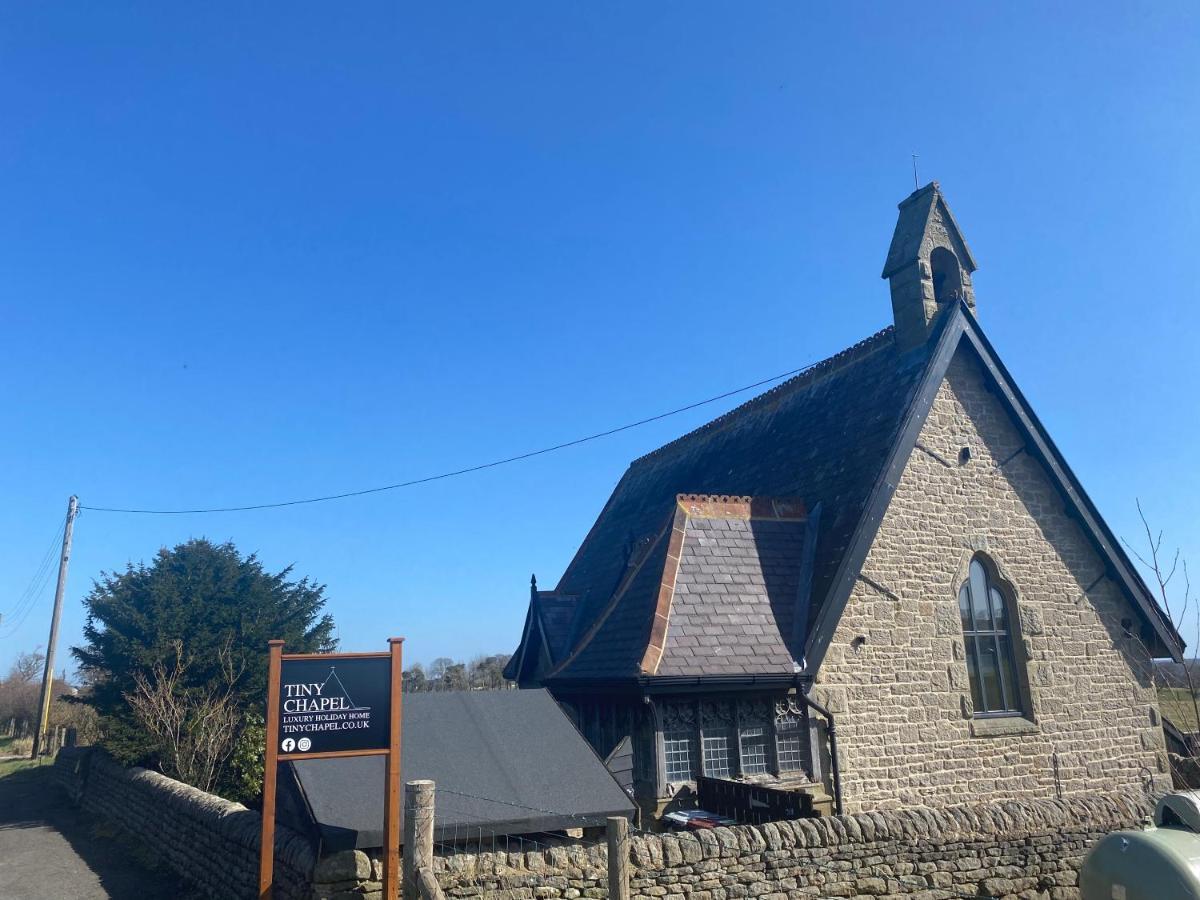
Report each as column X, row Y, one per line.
column 255, row 252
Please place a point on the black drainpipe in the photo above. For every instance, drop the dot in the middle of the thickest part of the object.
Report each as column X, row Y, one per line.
column 833, row 754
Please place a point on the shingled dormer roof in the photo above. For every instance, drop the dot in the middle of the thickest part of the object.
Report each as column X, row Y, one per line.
column 723, row 588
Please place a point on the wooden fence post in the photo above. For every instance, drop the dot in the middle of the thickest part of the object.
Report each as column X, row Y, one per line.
column 430, row 889
column 418, row 835
column 391, row 807
column 618, row 858
column 266, row 847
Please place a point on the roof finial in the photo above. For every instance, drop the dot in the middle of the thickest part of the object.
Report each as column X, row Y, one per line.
column 533, row 585
column 916, row 181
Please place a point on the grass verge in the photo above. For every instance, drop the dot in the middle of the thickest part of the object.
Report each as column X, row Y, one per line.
column 8, row 766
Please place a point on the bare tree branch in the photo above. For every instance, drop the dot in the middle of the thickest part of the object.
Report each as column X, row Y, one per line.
column 1177, row 709
column 195, row 730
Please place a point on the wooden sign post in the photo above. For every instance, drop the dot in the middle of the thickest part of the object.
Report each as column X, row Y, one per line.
column 328, row 705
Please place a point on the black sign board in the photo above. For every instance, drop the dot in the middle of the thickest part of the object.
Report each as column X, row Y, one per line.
column 334, row 705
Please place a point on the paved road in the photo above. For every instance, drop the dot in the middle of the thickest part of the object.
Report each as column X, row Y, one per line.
column 49, row 850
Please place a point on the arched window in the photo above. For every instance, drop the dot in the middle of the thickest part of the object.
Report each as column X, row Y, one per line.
column 989, row 638
column 947, row 278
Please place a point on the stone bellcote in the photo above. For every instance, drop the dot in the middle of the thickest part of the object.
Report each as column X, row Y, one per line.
column 928, row 266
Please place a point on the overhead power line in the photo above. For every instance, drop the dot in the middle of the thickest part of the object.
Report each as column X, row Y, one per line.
column 456, row 472
column 27, row 601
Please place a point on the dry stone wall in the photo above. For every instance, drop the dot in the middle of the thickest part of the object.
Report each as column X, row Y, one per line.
column 210, row 842
column 1014, row 851
column 1017, row 851
column 895, row 676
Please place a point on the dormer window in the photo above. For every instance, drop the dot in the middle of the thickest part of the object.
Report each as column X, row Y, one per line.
column 989, row 641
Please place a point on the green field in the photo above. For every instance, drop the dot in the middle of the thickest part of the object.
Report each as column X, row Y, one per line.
column 1176, row 704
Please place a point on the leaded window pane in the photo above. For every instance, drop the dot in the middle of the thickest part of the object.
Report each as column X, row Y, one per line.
column 677, row 750
column 789, row 745
column 717, row 758
column 754, row 750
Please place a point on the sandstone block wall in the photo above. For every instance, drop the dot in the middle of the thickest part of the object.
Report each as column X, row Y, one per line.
column 211, row 842
column 895, row 674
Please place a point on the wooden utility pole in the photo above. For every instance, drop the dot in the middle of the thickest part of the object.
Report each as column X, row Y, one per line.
column 39, row 736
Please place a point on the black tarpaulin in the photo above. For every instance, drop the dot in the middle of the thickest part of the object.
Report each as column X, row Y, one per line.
column 504, row 762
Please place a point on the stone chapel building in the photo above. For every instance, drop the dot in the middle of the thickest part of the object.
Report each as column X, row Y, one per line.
column 877, row 584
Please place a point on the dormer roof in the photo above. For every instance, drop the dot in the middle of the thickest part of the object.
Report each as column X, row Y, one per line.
column 722, row 590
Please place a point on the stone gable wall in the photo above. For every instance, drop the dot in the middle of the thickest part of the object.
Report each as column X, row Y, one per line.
column 207, row 840
column 895, row 676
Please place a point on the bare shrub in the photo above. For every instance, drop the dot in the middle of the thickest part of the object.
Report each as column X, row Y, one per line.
column 1177, row 684
column 195, row 729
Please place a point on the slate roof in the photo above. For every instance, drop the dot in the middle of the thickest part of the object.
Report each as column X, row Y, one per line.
column 721, row 590
column 547, row 628
column 837, row 436
column 503, row 762
column 615, row 642
column 733, row 607
column 823, row 435
column 555, row 614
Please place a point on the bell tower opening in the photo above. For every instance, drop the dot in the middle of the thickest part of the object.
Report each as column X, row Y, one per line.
column 947, row 276
column 928, row 267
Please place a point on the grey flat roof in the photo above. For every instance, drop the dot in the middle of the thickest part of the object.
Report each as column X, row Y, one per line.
column 504, row 762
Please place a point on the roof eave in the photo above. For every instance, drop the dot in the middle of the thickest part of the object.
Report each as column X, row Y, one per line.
column 512, row 668
column 675, row 684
